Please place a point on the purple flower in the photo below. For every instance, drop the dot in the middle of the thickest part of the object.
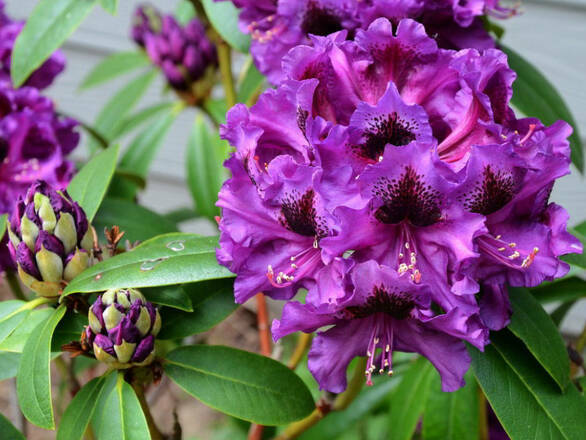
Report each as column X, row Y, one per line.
column 34, row 142
column 185, row 54
column 276, row 26
column 50, row 239
column 40, row 78
column 380, row 311
column 122, row 328
column 273, row 241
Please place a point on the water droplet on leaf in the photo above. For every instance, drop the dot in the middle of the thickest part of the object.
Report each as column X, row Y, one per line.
column 151, row 264
column 177, row 245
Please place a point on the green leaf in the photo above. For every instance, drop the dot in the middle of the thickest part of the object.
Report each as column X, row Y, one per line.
column 111, row 117
column 251, row 83
column 536, row 97
column 181, row 215
column 113, row 66
column 451, row 416
column 141, row 116
column 213, row 301
column 90, row 184
column 9, row 432
column 558, row 315
column 119, row 414
column 205, row 173
column 577, row 259
column 12, row 313
column 525, row 399
column 16, row 341
column 185, row 12
column 33, row 382
column 141, row 152
column 161, row 261
column 564, row 290
column 8, row 365
column 47, row 27
column 68, row 330
column 170, row 296
column 408, row 400
column 241, row 384
column 109, row 6
column 78, row 414
column 3, row 225
column 216, row 109
column 138, row 222
column 531, row 324
column 224, row 19
column 339, row 422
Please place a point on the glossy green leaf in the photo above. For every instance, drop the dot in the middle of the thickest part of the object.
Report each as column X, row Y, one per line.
column 161, row 261
column 47, row 27
column 90, row 184
column 169, row 296
column 138, row 222
column 111, row 117
column 16, row 341
column 224, row 19
column 132, row 177
column 339, row 422
column 110, row 6
column 69, row 329
column 13, row 312
column 33, row 382
column 558, row 315
column 408, row 400
column 8, row 365
column 205, row 173
column 3, row 225
column 566, row 289
column 535, row 96
column 251, row 83
column 213, row 301
column 119, row 414
column 241, row 384
column 80, row 411
column 577, row 259
column 526, row 400
column 9, row 432
column 531, row 324
column 451, row 416
column 138, row 118
column 113, row 66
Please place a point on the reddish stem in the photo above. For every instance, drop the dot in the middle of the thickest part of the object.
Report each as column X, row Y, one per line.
column 262, row 319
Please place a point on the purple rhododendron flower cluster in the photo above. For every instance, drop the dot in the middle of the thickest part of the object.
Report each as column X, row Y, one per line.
column 276, row 26
column 34, row 143
column 184, row 54
column 390, row 178
column 44, row 75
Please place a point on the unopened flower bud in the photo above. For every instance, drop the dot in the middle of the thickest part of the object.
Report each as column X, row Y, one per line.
column 122, row 328
column 50, row 239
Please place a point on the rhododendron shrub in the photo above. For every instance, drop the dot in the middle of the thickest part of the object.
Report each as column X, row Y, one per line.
column 374, row 169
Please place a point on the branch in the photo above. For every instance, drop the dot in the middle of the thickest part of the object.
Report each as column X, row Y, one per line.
column 323, row 407
column 153, row 429
column 303, row 343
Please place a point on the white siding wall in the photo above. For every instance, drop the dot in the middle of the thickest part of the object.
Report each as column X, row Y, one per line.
column 550, row 33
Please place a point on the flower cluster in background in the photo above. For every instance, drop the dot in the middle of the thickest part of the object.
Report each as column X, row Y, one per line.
column 185, row 54
column 44, row 75
column 391, row 179
column 34, row 140
column 276, row 26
